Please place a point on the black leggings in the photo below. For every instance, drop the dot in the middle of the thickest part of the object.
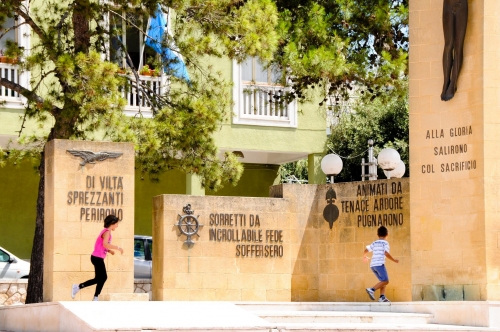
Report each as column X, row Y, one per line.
column 100, row 275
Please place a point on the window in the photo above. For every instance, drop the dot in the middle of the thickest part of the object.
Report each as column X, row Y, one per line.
column 14, row 31
column 252, row 70
column 133, row 40
column 150, row 245
column 139, row 249
column 130, row 37
column 7, row 34
column 258, row 95
column 4, row 257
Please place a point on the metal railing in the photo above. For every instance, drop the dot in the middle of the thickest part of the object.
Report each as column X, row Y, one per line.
column 10, row 72
column 265, row 102
column 136, row 99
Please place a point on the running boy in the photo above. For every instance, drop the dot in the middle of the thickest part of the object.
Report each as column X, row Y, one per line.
column 380, row 250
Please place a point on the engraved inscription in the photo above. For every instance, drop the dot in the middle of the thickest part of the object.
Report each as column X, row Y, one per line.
column 245, row 230
column 103, row 195
column 452, row 150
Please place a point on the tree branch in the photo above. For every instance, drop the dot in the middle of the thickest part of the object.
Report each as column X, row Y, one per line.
column 42, row 77
column 22, row 124
column 40, row 33
column 60, row 25
column 30, row 95
column 14, row 27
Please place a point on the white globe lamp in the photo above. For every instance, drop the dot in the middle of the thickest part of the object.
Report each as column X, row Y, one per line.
column 398, row 172
column 388, row 159
column 331, row 165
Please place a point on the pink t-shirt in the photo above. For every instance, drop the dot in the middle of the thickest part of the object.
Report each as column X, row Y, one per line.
column 99, row 250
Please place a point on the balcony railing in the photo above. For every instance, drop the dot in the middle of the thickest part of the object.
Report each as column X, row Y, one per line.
column 264, row 101
column 137, row 100
column 264, row 105
column 12, row 73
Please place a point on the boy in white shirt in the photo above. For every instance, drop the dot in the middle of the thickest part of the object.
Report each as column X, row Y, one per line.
column 380, row 249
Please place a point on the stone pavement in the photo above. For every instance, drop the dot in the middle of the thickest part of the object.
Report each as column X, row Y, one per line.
column 247, row 316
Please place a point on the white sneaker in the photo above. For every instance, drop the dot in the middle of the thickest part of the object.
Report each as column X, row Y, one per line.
column 95, row 298
column 383, row 299
column 74, row 289
column 371, row 293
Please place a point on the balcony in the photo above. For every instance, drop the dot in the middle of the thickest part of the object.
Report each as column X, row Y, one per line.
column 260, row 105
column 137, row 102
column 257, row 102
column 11, row 98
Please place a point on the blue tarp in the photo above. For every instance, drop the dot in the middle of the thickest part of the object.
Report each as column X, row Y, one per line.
column 156, row 31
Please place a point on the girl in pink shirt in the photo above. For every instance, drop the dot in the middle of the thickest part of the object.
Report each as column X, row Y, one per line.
column 101, row 248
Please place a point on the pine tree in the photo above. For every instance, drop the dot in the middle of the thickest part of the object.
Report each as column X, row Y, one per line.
column 80, row 93
column 337, row 46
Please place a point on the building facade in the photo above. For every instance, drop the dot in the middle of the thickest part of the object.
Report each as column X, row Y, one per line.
column 264, row 134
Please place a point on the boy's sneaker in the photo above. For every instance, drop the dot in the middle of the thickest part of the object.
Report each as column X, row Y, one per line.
column 383, row 299
column 95, row 298
column 371, row 293
column 74, row 289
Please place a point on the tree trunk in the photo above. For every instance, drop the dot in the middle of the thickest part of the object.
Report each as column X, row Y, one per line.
column 81, row 26
column 35, row 281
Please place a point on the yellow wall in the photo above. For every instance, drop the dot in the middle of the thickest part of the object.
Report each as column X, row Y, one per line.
column 19, row 190
column 18, row 195
column 318, row 263
column 73, row 192
column 211, row 269
column 454, row 214
column 328, row 264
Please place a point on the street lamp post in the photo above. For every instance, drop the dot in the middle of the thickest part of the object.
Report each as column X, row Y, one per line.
column 398, row 172
column 388, row 159
column 372, row 164
column 331, row 165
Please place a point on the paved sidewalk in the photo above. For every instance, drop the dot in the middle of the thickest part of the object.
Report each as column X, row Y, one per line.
column 140, row 316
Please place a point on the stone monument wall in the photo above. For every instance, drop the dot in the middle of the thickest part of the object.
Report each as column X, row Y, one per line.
column 78, row 196
column 242, row 251
column 281, row 248
column 328, row 264
column 454, row 158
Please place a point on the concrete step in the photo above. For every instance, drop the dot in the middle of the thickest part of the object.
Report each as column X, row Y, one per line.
column 156, row 316
column 369, row 316
column 362, row 327
column 318, row 306
column 301, row 316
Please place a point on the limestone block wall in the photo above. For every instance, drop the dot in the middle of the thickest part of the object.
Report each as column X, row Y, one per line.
column 290, row 254
column 454, row 158
column 78, row 196
column 328, row 264
column 13, row 292
column 241, row 253
column 143, row 286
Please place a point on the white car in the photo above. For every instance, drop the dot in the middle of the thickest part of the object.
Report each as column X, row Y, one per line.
column 12, row 267
column 143, row 249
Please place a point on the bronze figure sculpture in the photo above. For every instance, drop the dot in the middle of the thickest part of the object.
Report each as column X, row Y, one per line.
column 455, row 14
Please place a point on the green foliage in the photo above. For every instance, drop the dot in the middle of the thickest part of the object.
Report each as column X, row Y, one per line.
column 386, row 123
column 232, row 28
column 295, row 172
column 17, row 156
column 335, row 44
column 180, row 134
column 385, row 120
column 74, row 88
